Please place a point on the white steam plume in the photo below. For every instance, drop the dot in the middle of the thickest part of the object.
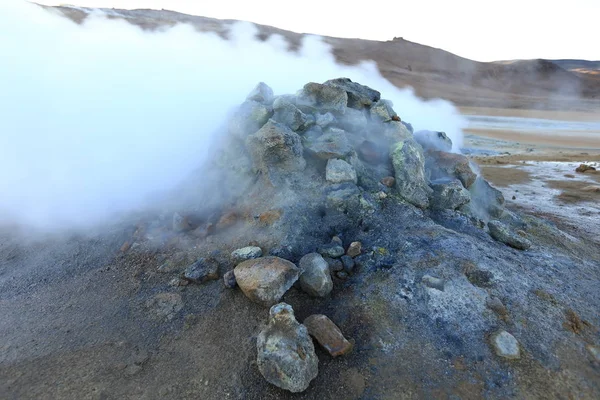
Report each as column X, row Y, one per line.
column 95, row 118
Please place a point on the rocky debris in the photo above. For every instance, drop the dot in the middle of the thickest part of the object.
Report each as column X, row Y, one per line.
column 408, row 161
column 583, row 168
column 246, row 253
column 203, row 270
column 290, row 115
column 262, row 93
column 249, row 118
column 432, row 140
column 332, row 250
column 354, row 249
column 449, row 194
column 502, row 233
column 165, row 305
column 382, row 111
column 440, row 165
column 286, row 354
column 265, row 280
column 338, row 171
column 359, row 96
column 315, row 96
column 505, row 345
column 348, row 264
column 486, row 201
column 388, row 181
column 331, row 144
column 433, row 282
column 315, row 278
column 180, row 224
column 327, row 333
column 229, row 280
column 276, row 146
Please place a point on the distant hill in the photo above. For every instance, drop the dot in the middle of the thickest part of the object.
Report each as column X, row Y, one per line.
column 430, row 71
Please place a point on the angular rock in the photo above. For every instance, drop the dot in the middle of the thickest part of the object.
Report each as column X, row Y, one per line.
column 331, row 250
column 286, row 354
column 408, row 161
column 275, row 146
column 395, row 131
column 433, row 140
column 334, row 264
column 229, row 280
column 354, row 249
column 261, row 93
column 382, row 111
column 433, row 282
column 290, row 115
column 505, row 345
column 328, row 335
column 359, row 96
column 348, row 263
column 203, row 270
column 323, row 120
column 353, row 121
column 322, row 98
column 331, row 144
column 502, row 233
column 246, row 253
column 486, row 201
column 583, row 168
column 448, row 194
column 440, row 165
column 338, row 171
column 315, row 278
column 265, row 280
column 249, row 118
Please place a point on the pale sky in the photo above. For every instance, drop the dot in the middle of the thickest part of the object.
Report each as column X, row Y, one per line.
column 477, row 29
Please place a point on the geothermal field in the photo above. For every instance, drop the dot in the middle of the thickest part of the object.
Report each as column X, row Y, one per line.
column 195, row 208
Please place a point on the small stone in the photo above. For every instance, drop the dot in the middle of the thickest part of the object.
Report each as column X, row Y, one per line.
column 382, row 195
column 246, row 253
column 433, row 282
column 502, row 233
column 275, row 146
column 337, row 240
column 180, row 224
column 265, row 280
column 382, row 111
column 408, row 161
column 229, row 280
column 354, row 249
column 441, row 164
column 261, row 93
column 505, row 345
column 203, row 270
column 449, row 194
column 331, row 250
column 343, row 275
column 335, row 264
column 348, row 263
column 388, row 181
column 338, row 171
column 315, row 278
column 594, row 351
column 331, row 144
column 328, row 335
column 285, row 352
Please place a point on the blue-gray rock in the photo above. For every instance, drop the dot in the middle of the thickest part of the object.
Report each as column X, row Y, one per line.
column 348, row 263
column 315, row 278
column 505, row 345
column 249, row 118
column 502, row 233
column 323, row 120
column 395, row 131
column 440, row 165
column 246, row 253
column 202, row 270
column 338, row 171
column 275, row 146
column 409, row 171
column 261, row 93
column 285, row 352
column 332, row 250
column 359, row 96
column 382, row 111
column 433, row 140
column 290, row 115
column 315, row 96
column 331, row 144
column 449, row 194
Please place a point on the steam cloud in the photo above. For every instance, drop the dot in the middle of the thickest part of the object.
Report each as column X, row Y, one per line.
column 96, row 118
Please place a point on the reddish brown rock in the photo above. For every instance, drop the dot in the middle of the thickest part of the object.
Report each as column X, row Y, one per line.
column 388, row 181
column 583, row 168
column 269, row 217
column 265, row 280
column 354, row 249
column 327, row 334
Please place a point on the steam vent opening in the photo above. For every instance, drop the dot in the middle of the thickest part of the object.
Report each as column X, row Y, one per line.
column 197, row 208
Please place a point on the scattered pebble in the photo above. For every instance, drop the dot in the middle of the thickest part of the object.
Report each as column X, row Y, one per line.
column 388, row 181
column 505, row 345
column 315, row 278
column 354, row 249
column 229, row 280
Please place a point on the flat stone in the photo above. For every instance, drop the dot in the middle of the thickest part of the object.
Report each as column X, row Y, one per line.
column 328, row 335
column 276, row 146
column 265, row 280
column 285, row 352
column 338, row 171
column 505, row 345
column 246, row 253
column 354, row 249
column 331, row 250
column 315, row 278
column 440, row 165
column 203, row 270
column 165, row 305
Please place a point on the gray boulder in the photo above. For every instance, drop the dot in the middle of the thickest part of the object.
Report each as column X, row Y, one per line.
column 409, row 171
column 486, row 201
column 261, row 93
column 449, row 194
column 288, row 114
column 315, row 278
column 276, row 146
column 359, row 96
column 383, row 111
column 440, row 164
column 265, row 280
column 315, row 96
column 331, row 144
column 286, row 355
column 338, row 171
column 502, row 233
column 432, row 140
column 249, row 118
column 395, row 131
